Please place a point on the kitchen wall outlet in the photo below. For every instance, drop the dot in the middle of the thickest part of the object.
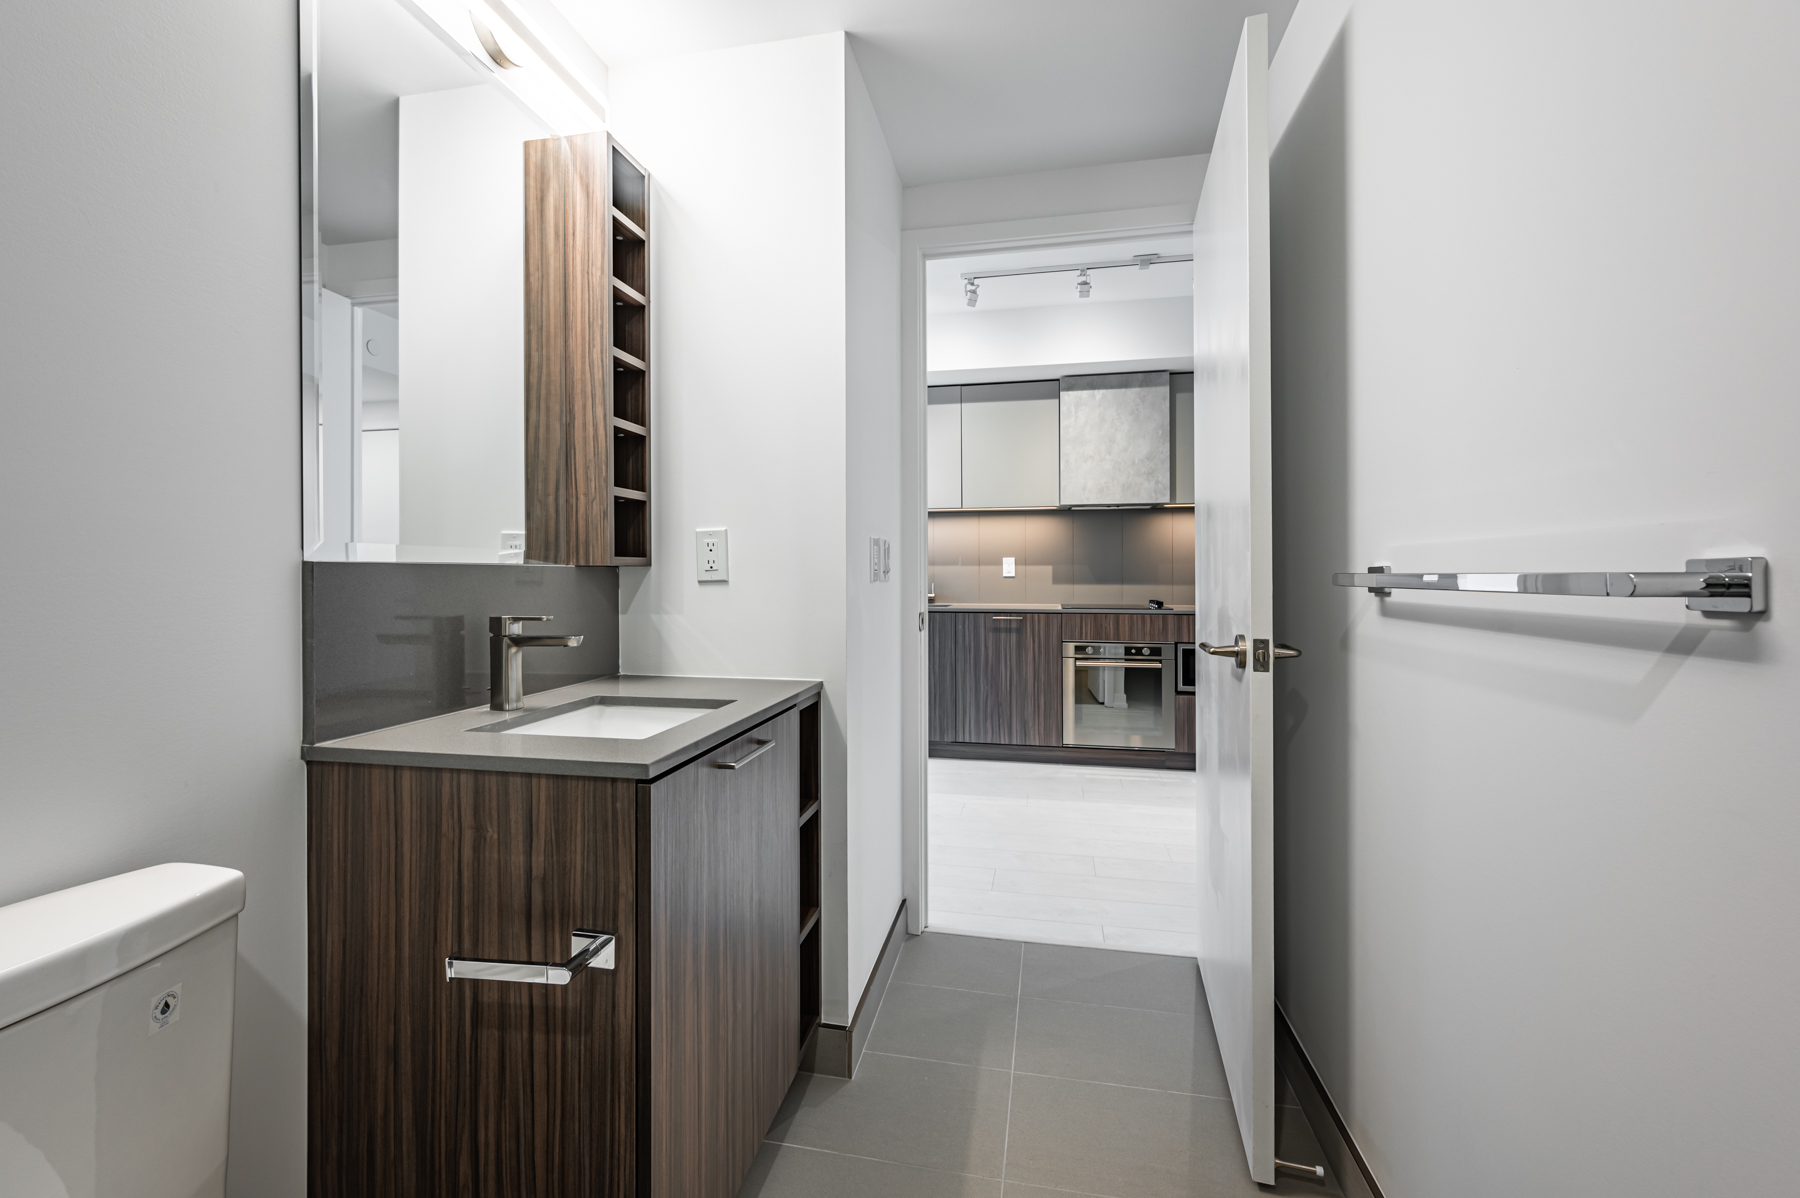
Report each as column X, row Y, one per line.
column 712, row 556
column 874, row 559
column 1006, row 568
column 512, row 548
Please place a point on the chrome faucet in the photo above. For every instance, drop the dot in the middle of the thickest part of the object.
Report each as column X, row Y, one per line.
column 506, row 661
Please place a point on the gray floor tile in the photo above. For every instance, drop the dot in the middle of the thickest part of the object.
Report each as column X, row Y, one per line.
column 951, row 1118
column 1111, row 977
column 1164, row 1050
column 1126, row 1143
column 963, row 1026
column 965, row 962
column 785, row 1171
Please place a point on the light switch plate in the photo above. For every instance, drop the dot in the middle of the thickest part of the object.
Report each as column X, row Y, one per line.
column 1006, row 568
column 712, row 555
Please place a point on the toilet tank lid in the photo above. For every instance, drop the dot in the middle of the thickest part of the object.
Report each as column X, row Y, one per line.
column 55, row 946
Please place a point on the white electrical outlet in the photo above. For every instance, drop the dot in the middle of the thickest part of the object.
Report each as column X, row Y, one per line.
column 712, row 555
column 512, row 548
column 1006, row 568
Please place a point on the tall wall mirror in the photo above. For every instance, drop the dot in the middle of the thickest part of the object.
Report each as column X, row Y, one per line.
column 448, row 149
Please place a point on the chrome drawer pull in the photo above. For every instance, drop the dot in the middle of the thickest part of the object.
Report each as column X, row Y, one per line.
column 588, row 948
column 1008, row 617
column 761, row 748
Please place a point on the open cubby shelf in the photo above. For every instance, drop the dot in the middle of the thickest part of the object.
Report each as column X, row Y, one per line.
column 811, row 999
column 628, row 337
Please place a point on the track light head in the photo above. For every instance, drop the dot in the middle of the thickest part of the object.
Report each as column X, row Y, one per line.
column 1082, row 285
column 971, row 291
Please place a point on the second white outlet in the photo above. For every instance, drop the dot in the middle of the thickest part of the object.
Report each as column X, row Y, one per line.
column 712, row 555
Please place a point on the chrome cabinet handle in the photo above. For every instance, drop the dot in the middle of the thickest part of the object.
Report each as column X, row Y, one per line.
column 1239, row 651
column 1007, row 617
column 586, row 948
column 761, row 748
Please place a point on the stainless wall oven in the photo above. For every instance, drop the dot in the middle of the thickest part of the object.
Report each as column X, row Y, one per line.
column 1119, row 695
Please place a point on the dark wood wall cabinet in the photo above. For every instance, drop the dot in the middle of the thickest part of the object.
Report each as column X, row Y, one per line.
column 996, row 684
column 587, row 353
column 656, row 1078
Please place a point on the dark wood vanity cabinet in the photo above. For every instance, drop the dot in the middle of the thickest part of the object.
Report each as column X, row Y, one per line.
column 658, row 1077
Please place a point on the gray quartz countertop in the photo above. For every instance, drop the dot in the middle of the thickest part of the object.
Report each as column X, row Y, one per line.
column 1138, row 609
column 464, row 740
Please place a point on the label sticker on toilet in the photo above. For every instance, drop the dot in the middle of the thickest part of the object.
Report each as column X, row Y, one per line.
column 165, row 1010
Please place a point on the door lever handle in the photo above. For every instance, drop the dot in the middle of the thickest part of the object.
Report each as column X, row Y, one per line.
column 1238, row 651
column 1264, row 653
column 585, row 947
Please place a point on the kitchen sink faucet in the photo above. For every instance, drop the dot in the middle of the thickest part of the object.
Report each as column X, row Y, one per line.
column 506, row 659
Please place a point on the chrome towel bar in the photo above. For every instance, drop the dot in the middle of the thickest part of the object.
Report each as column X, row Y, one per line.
column 1730, row 584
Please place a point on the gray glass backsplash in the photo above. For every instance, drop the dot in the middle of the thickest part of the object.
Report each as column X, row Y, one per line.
column 388, row 643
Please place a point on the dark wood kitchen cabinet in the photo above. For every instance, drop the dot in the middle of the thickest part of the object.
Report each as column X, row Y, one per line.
column 656, row 1078
column 996, row 684
column 996, row 678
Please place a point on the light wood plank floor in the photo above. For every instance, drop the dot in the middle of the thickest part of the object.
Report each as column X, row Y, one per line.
column 1060, row 854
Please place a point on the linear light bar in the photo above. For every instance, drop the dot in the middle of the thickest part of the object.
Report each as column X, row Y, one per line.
column 497, row 38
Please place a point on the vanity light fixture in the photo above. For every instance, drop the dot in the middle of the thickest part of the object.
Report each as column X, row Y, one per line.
column 497, row 37
column 971, row 291
column 1082, row 285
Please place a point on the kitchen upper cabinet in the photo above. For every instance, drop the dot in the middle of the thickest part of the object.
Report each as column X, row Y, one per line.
column 1181, row 398
column 1116, row 439
column 943, row 447
column 1009, row 439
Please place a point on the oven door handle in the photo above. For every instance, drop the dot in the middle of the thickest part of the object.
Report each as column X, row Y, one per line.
column 1124, row 665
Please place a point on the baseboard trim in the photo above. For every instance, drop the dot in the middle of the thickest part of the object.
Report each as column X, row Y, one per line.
column 835, row 1051
column 1347, row 1162
column 1147, row 759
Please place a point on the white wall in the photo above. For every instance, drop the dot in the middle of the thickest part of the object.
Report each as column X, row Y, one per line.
column 1149, row 183
column 1534, row 308
column 872, row 473
column 462, row 328
column 1090, row 338
column 772, row 217
column 150, row 491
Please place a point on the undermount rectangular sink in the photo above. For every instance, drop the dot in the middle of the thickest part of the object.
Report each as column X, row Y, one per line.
column 609, row 718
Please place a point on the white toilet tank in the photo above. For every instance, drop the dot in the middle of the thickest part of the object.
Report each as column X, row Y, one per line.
column 115, row 1036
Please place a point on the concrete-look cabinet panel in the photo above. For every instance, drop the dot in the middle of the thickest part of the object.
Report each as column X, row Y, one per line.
column 1115, row 439
column 1009, row 444
column 943, row 447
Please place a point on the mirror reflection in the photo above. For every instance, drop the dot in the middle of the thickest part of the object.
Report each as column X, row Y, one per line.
column 413, row 278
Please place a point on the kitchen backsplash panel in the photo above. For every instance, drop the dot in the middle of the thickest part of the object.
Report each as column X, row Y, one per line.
column 1108, row 556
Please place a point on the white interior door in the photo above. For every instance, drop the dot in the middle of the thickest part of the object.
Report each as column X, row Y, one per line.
column 1234, row 604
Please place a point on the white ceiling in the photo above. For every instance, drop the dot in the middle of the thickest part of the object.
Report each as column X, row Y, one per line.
column 968, row 89
column 944, row 283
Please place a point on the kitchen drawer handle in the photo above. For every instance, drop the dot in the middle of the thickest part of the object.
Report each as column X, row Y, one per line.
column 1008, row 617
column 587, row 948
column 761, row 748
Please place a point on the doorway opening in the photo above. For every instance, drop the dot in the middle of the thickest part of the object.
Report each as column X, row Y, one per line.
column 1058, row 527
